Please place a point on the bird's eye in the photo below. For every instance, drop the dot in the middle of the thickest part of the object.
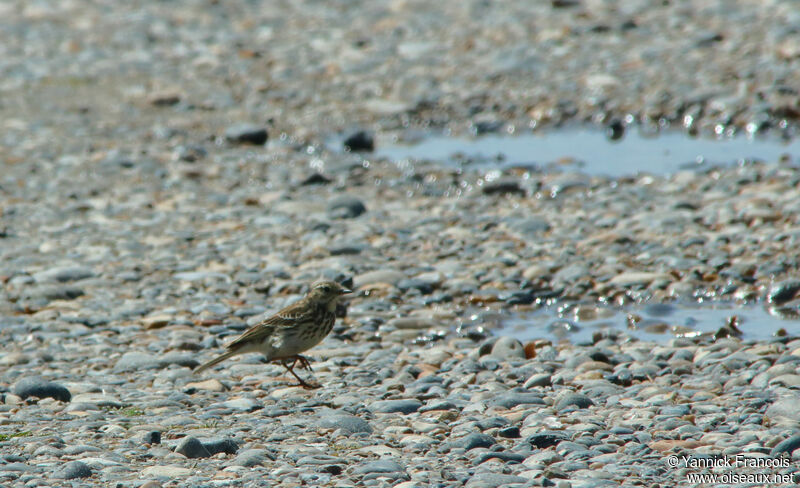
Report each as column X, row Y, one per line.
column 326, row 289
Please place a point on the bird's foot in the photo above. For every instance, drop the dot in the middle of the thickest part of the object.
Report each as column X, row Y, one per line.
column 303, row 362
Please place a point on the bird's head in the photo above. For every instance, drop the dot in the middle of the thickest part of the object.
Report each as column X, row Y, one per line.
column 327, row 291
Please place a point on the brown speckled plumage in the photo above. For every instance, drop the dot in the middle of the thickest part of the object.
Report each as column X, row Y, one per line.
column 291, row 331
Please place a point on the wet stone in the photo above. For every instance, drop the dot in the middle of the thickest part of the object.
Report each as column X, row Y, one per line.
column 360, row 141
column 783, row 291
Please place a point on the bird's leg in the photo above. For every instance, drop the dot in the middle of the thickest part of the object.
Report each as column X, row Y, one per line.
column 303, row 362
column 299, row 379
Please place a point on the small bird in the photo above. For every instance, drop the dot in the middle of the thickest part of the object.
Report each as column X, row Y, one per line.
column 295, row 329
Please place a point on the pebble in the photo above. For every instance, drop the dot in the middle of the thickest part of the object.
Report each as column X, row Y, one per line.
column 246, row 134
column 395, row 406
column 251, row 458
column 471, row 441
column 167, row 472
column 186, row 226
column 73, row 470
column 360, row 141
column 345, row 207
column 40, row 388
column 349, row 424
column 575, row 400
column 192, row 448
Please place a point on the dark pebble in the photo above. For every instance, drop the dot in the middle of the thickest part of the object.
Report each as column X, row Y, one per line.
column 39, row 388
column 228, row 446
column 345, row 207
column 783, row 291
column 546, row 439
column 360, row 141
column 509, row 433
column 316, row 179
column 615, row 130
column 506, row 457
column 153, row 437
column 192, row 448
column 246, row 134
column 502, row 187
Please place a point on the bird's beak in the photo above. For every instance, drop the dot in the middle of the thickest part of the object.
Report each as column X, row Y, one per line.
column 345, row 291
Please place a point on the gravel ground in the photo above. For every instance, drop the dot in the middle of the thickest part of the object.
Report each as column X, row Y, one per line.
column 144, row 222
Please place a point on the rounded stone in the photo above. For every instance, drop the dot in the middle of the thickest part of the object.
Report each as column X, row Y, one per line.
column 73, row 470
column 40, row 388
column 395, row 406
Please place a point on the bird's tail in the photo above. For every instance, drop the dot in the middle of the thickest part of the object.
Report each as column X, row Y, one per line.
column 215, row 361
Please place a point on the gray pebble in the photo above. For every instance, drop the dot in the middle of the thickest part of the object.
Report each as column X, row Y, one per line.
column 395, row 406
column 473, row 440
column 381, row 467
column 506, row 348
column 192, row 448
column 512, row 399
column 65, row 273
column 786, row 446
column 73, row 470
column 347, row 423
column 251, row 458
column 345, row 207
column 493, row 480
column 573, row 400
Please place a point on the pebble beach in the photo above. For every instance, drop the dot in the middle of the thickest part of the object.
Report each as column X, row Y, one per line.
column 167, row 180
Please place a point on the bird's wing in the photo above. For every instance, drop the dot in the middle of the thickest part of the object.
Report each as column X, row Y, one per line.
column 287, row 318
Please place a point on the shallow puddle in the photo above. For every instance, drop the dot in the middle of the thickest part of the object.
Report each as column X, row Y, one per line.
column 591, row 151
column 655, row 322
